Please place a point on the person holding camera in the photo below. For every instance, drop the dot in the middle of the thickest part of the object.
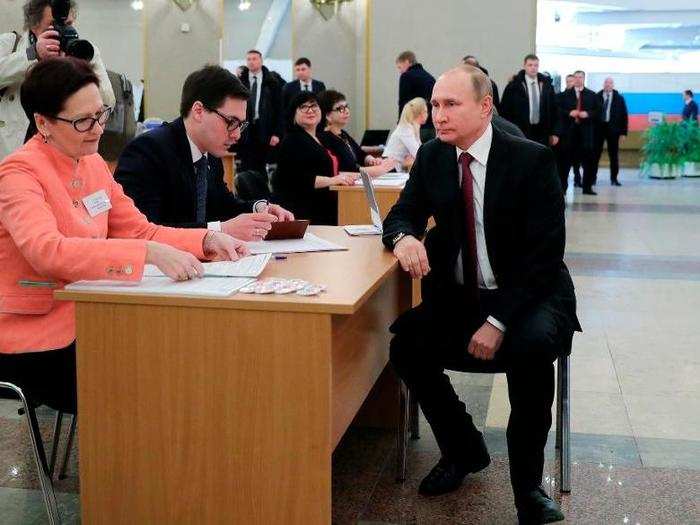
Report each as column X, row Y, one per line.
column 41, row 40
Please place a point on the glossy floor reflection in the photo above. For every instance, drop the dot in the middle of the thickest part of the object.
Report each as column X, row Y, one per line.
column 634, row 253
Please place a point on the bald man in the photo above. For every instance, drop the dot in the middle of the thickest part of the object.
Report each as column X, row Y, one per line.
column 612, row 127
column 496, row 293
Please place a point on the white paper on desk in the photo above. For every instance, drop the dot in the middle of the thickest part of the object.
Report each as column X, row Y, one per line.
column 250, row 266
column 362, row 229
column 158, row 286
column 310, row 243
column 398, row 180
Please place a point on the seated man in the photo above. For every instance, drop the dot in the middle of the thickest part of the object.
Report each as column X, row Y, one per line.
column 174, row 173
column 496, row 293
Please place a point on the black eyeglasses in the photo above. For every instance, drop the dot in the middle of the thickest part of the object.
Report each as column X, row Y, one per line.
column 85, row 124
column 308, row 108
column 342, row 109
column 232, row 123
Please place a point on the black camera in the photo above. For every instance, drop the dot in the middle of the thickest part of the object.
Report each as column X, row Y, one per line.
column 69, row 41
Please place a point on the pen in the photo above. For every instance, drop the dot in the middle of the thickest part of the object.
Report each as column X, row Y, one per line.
column 46, row 284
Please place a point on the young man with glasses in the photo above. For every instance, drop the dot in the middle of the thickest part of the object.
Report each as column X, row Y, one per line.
column 175, row 174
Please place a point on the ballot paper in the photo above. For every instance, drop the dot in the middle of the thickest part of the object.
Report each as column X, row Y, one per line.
column 362, row 229
column 222, row 287
column 390, row 180
column 250, row 266
column 309, row 243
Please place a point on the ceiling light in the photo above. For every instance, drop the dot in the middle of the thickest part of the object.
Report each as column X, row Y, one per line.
column 137, row 5
column 244, row 5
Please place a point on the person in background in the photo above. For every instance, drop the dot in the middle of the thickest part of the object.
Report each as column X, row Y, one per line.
column 404, row 141
column 612, row 127
column 690, row 107
column 415, row 81
column 335, row 116
column 559, row 149
column 305, row 168
column 18, row 53
column 63, row 219
column 471, row 60
column 303, row 82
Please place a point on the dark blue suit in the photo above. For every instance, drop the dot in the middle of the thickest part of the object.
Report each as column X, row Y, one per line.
column 291, row 89
column 690, row 111
column 416, row 82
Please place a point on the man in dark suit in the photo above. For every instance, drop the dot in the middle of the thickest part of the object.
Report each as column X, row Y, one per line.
column 528, row 102
column 264, row 112
column 496, row 292
column 174, row 173
column 471, row 60
column 612, row 127
column 579, row 113
column 690, row 108
column 414, row 82
column 303, row 82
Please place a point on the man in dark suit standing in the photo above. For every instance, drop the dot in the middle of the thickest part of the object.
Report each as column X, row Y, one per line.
column 264, row 112
column 496, row 292
column 690, row 108
column 303, row 82
column 612, row 127
column 414, row 82
column 471, row 60
column 528, row 102
column 174, row 173
column 579, row 113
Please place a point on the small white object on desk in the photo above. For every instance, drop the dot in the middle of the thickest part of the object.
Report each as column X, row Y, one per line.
column 310, row 243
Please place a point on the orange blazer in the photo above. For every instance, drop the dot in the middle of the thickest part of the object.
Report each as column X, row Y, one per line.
column 48, row 239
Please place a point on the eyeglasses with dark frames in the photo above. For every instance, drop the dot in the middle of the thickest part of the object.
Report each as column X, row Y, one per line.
column 308, row 108
column 85, row 124
column 232, row 123
column 342, row 109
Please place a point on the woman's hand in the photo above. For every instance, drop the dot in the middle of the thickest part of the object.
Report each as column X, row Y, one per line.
column 176, row 264
column 344, row 178
column 219, row 246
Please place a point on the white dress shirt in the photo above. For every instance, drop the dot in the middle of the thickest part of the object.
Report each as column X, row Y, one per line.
column 309, row 84
column 402, row 143
column 485, row 277
column 259, row 77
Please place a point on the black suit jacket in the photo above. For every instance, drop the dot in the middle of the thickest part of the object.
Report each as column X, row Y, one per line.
column 523, row 220
column 515, row 104
column 416, row 82
column 690, row 111
column 619, row 120
column 291, row 89
column 587, row 126
column 156, row 171
column 271, row 121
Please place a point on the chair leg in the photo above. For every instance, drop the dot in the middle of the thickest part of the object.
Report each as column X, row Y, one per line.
column 565, row 459
column 56, row 439
column 414, row 421
column 557, row 442
column 402, row 433
column 69, row 447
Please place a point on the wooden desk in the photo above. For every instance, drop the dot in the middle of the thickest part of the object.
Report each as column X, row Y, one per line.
column 353, row 207
column 202, row 410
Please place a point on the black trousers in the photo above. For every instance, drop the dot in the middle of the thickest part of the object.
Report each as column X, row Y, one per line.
column 538, row 133
column 577, row 148
column 254, row 150
column 47, row 378
column 427, row 343
column 606, row 135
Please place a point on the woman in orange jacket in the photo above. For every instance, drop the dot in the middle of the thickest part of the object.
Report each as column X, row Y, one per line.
column 63, row 218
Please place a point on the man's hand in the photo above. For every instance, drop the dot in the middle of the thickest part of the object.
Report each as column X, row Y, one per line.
column 485, row 342
column 274, row 140
column 574, row 113
column 218, row 246
column 47, row 44
column 553, row 140
column 583, row 114
column 623, row 138
column 249, row 226
column 412, row 256
column 279, row 212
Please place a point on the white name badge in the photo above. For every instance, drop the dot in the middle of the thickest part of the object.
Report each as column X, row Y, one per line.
column 97, row 203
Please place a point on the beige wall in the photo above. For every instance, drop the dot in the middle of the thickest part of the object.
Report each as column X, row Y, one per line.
column 171, row 55
column 11, row 16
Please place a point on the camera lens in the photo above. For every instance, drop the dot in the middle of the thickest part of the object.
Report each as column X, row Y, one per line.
column 80, row 49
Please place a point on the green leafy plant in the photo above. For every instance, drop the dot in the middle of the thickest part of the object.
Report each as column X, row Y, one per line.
column 691, row 141
column 664, row 144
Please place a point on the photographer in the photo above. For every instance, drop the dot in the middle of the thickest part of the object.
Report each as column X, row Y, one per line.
column 19, row 52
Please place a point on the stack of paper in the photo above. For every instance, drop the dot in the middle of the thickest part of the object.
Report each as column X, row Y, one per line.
column 310, row 243
column 390, row 180
column 250, row 266
column 159, row 286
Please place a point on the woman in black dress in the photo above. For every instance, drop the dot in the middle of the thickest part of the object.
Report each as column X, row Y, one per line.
column 305, row 169
column 335, row 115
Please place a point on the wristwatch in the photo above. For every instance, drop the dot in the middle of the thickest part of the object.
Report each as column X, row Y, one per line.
column 257, row 203
column 397, row 238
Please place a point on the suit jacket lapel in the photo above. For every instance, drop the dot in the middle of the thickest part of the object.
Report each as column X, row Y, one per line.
column 496, row 175
column 184, row 155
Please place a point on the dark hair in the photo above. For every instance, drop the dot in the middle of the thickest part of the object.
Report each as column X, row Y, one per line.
column 406, row 56
column 467, row 57
column 531, row 56
column 301, row 98
column 34, row 11
column 689, row 92
column 254, row 51
column 303, row 60
column 326, row 100
column 211, row 85
column 51, row 82
column 570, row 75
column 578, row 71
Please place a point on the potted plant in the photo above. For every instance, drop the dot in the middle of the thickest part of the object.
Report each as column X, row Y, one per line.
column 663, row 151
column 691, row 166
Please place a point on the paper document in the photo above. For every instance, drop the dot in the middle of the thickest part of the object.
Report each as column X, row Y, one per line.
column 362, row 229
column 398, row 180
column 159, row 286
column 250, row 266
column 310, row 243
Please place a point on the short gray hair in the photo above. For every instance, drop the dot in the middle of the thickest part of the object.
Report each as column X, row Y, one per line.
column 34, row 11
column 481, row 84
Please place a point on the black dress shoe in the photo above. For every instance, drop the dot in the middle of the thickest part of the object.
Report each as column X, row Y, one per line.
column 447, row 475
column 536, row 507
column 589, row 191
column 615, row 183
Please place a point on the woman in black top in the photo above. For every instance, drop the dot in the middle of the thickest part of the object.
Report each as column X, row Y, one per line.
column 305, row 169
column 335, row 115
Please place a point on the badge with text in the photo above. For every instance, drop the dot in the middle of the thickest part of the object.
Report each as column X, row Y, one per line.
column 97, row 203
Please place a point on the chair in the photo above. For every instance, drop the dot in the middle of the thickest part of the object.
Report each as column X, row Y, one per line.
column 252, row 185
column 408, row 422
column 29, row 412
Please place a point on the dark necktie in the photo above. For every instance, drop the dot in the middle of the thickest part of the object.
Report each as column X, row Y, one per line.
column 469, row 259
column 254, row 97
column 201, row 168
column 306, row 87
column 606, row 116
column 579, row 103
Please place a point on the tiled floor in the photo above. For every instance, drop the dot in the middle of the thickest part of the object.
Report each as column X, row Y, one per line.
column 634, row 252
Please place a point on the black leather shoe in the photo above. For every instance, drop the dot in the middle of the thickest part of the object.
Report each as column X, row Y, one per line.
column 447, row 476
column 615, row 183
column 537, row 507
column 589, row 191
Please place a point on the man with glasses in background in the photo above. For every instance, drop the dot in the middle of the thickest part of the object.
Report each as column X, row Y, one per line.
column 174, row 173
